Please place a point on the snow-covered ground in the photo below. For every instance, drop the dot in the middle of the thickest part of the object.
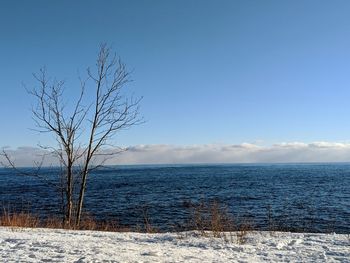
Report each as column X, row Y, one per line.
column 45, row 245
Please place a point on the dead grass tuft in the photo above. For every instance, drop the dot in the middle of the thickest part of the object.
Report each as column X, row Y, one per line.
column 24, row 219
column 18, row 220
column 213, row 219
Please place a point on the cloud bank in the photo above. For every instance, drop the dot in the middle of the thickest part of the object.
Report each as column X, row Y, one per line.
column 210, row 153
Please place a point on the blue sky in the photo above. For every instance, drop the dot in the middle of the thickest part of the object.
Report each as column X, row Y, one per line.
column 225, row 72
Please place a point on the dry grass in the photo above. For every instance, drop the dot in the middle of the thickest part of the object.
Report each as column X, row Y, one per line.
column 21, row 219
column 211, row 216
column 148, row 228
column 24, row 219
column 213, row 219
column 89, row 223
column 210, row 219
column 242, row 232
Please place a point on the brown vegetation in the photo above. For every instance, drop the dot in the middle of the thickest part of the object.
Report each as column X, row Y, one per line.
column 21, row 219
column 24, row 219
column 209, row 218
column 214, row 219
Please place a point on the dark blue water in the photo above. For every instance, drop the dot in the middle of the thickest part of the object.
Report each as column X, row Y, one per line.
column 307, row 197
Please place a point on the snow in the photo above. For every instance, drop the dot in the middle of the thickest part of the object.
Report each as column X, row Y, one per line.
column 54, row 245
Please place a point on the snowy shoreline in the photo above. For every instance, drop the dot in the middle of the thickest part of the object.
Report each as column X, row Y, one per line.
column 56, row 245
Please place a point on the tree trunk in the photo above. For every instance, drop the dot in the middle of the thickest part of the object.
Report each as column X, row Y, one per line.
column 81, row 198
column 69, row 195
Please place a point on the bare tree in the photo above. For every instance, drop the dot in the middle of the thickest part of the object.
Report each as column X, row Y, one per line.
column 84, row 133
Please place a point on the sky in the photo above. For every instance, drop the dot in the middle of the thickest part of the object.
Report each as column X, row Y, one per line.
column 213, row 74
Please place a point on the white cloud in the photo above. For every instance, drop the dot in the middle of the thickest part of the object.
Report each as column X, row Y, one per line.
column 210, row 153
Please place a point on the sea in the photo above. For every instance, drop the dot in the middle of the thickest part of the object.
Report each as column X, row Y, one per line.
column 292, row 197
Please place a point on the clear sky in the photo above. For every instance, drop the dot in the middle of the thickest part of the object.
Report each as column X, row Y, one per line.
column 210, row 71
